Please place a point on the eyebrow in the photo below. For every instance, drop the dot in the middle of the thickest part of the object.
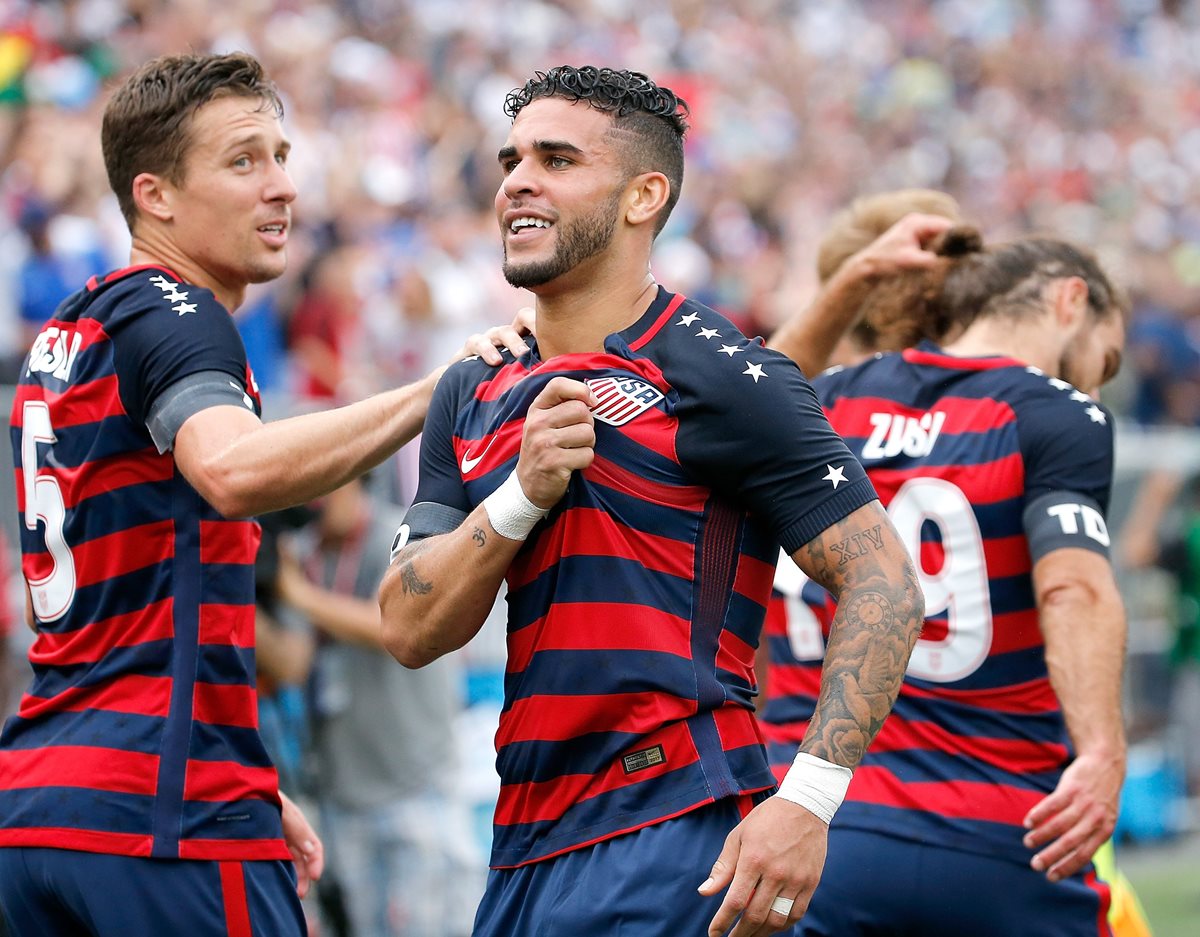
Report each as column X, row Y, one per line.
column 540, row 146
column 254, row 138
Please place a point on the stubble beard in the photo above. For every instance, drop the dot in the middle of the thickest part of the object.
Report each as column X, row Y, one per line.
column 576, row 242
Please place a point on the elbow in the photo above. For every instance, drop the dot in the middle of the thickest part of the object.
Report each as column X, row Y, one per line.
column 399, row 637
column 225, row 489
column 407, row 652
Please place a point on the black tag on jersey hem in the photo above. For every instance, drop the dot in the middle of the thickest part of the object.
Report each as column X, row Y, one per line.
column 646, row 758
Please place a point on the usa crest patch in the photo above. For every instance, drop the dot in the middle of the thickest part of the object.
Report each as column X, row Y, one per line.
column 622, row 398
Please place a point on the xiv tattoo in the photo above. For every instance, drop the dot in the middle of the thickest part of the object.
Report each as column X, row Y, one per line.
column 859, row 544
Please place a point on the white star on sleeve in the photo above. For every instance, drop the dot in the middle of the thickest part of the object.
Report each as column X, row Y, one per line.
column 708, row 334
column 175, row 296
column 1061, row 385
column 1096, row 414
column 835, row 476
column 730, row 350
column 755, row 371
column 1081, row 397
column 184, row 308
column 688, row 319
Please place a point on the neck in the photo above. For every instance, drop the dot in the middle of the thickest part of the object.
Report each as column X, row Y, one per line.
column 1025, row 341
column 577, row 319
column 148, row 248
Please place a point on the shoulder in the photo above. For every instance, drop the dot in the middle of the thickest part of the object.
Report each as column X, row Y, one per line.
column 1055, row 407
column 473, row 378
column 879, row 372
column 155, row 300
column 704, row 355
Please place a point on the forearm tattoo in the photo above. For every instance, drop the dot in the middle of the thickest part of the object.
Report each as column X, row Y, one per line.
column 479, row 536
column 411, row 582
column 879, row 617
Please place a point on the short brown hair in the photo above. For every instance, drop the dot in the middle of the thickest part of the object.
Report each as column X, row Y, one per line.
column 147, row 122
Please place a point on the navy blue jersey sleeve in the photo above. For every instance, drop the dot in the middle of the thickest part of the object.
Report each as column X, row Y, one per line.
column 1067, row 448
column 1066, row 443
column 758, row 435
column 441, row 502
column 167, row 332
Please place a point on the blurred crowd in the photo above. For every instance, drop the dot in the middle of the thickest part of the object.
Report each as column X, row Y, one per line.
column 1080, row 117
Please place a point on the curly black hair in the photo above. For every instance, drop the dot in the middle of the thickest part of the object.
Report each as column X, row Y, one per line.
column 653, row 117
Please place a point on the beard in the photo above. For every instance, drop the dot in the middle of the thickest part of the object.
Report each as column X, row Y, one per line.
column 576, row 242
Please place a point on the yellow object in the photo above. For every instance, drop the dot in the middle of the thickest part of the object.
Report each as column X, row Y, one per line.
column 1126, row 916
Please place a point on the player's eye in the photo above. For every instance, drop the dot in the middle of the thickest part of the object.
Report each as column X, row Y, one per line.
column 558, row 162
column 242, row 162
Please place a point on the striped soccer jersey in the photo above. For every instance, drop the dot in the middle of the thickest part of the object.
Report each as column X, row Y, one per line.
column 796, row 628
column 635, row 607
column 957, row 448
column 138, row 735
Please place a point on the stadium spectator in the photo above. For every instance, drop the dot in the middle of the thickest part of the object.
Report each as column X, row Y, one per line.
column 626, row 478
column 7, row 623
column 396, row 834
column 139, row 451
column 1001, row 657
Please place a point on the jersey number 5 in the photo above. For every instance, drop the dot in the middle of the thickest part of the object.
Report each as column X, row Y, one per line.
column 53, row 593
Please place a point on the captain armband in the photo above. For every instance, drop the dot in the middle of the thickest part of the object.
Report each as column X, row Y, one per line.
column 1065, row 519
column 815, row 784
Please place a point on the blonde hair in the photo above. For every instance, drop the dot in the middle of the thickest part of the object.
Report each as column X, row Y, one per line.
column 895, row 314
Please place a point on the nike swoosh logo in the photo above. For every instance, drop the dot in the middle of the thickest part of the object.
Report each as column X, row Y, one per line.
column 468, row 463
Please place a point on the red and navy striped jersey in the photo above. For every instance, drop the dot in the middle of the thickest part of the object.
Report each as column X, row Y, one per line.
column 138, row 735
column 635, row 608
column 797, row 626
column 957, row 449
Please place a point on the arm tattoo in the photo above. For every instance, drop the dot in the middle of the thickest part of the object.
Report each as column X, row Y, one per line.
column 479, row 536
column 410, row 580
column 879, row 617
column 859, row 544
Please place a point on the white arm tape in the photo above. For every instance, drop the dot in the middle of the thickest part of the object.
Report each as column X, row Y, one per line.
column 815, row 784
column 512, row 514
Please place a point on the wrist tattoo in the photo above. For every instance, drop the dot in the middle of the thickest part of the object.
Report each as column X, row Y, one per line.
column 479, row 536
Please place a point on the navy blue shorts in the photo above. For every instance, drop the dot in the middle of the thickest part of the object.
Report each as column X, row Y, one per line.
column 52, row 892
column 640, row 884
column 879, row 886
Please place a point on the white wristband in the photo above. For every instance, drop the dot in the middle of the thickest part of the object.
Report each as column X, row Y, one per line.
column 512, row 514
column 815, row 784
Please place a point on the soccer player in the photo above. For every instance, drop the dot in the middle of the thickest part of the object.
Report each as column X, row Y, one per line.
column 628, row 480
column 135, row 793
column 1006, row 748
column 869, row 264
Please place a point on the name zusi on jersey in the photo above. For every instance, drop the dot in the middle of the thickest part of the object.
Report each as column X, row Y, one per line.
column 894, row 433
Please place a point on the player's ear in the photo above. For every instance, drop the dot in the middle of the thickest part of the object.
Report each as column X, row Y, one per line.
column 152, row 196
column 646, row 196
column 1071, row 303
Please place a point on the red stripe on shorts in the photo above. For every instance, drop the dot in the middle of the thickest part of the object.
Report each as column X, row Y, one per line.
column 233, row 897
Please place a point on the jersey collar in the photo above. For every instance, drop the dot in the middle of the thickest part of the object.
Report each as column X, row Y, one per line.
column 926, row 352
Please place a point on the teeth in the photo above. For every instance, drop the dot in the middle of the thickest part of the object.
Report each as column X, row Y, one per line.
column 528, row 223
